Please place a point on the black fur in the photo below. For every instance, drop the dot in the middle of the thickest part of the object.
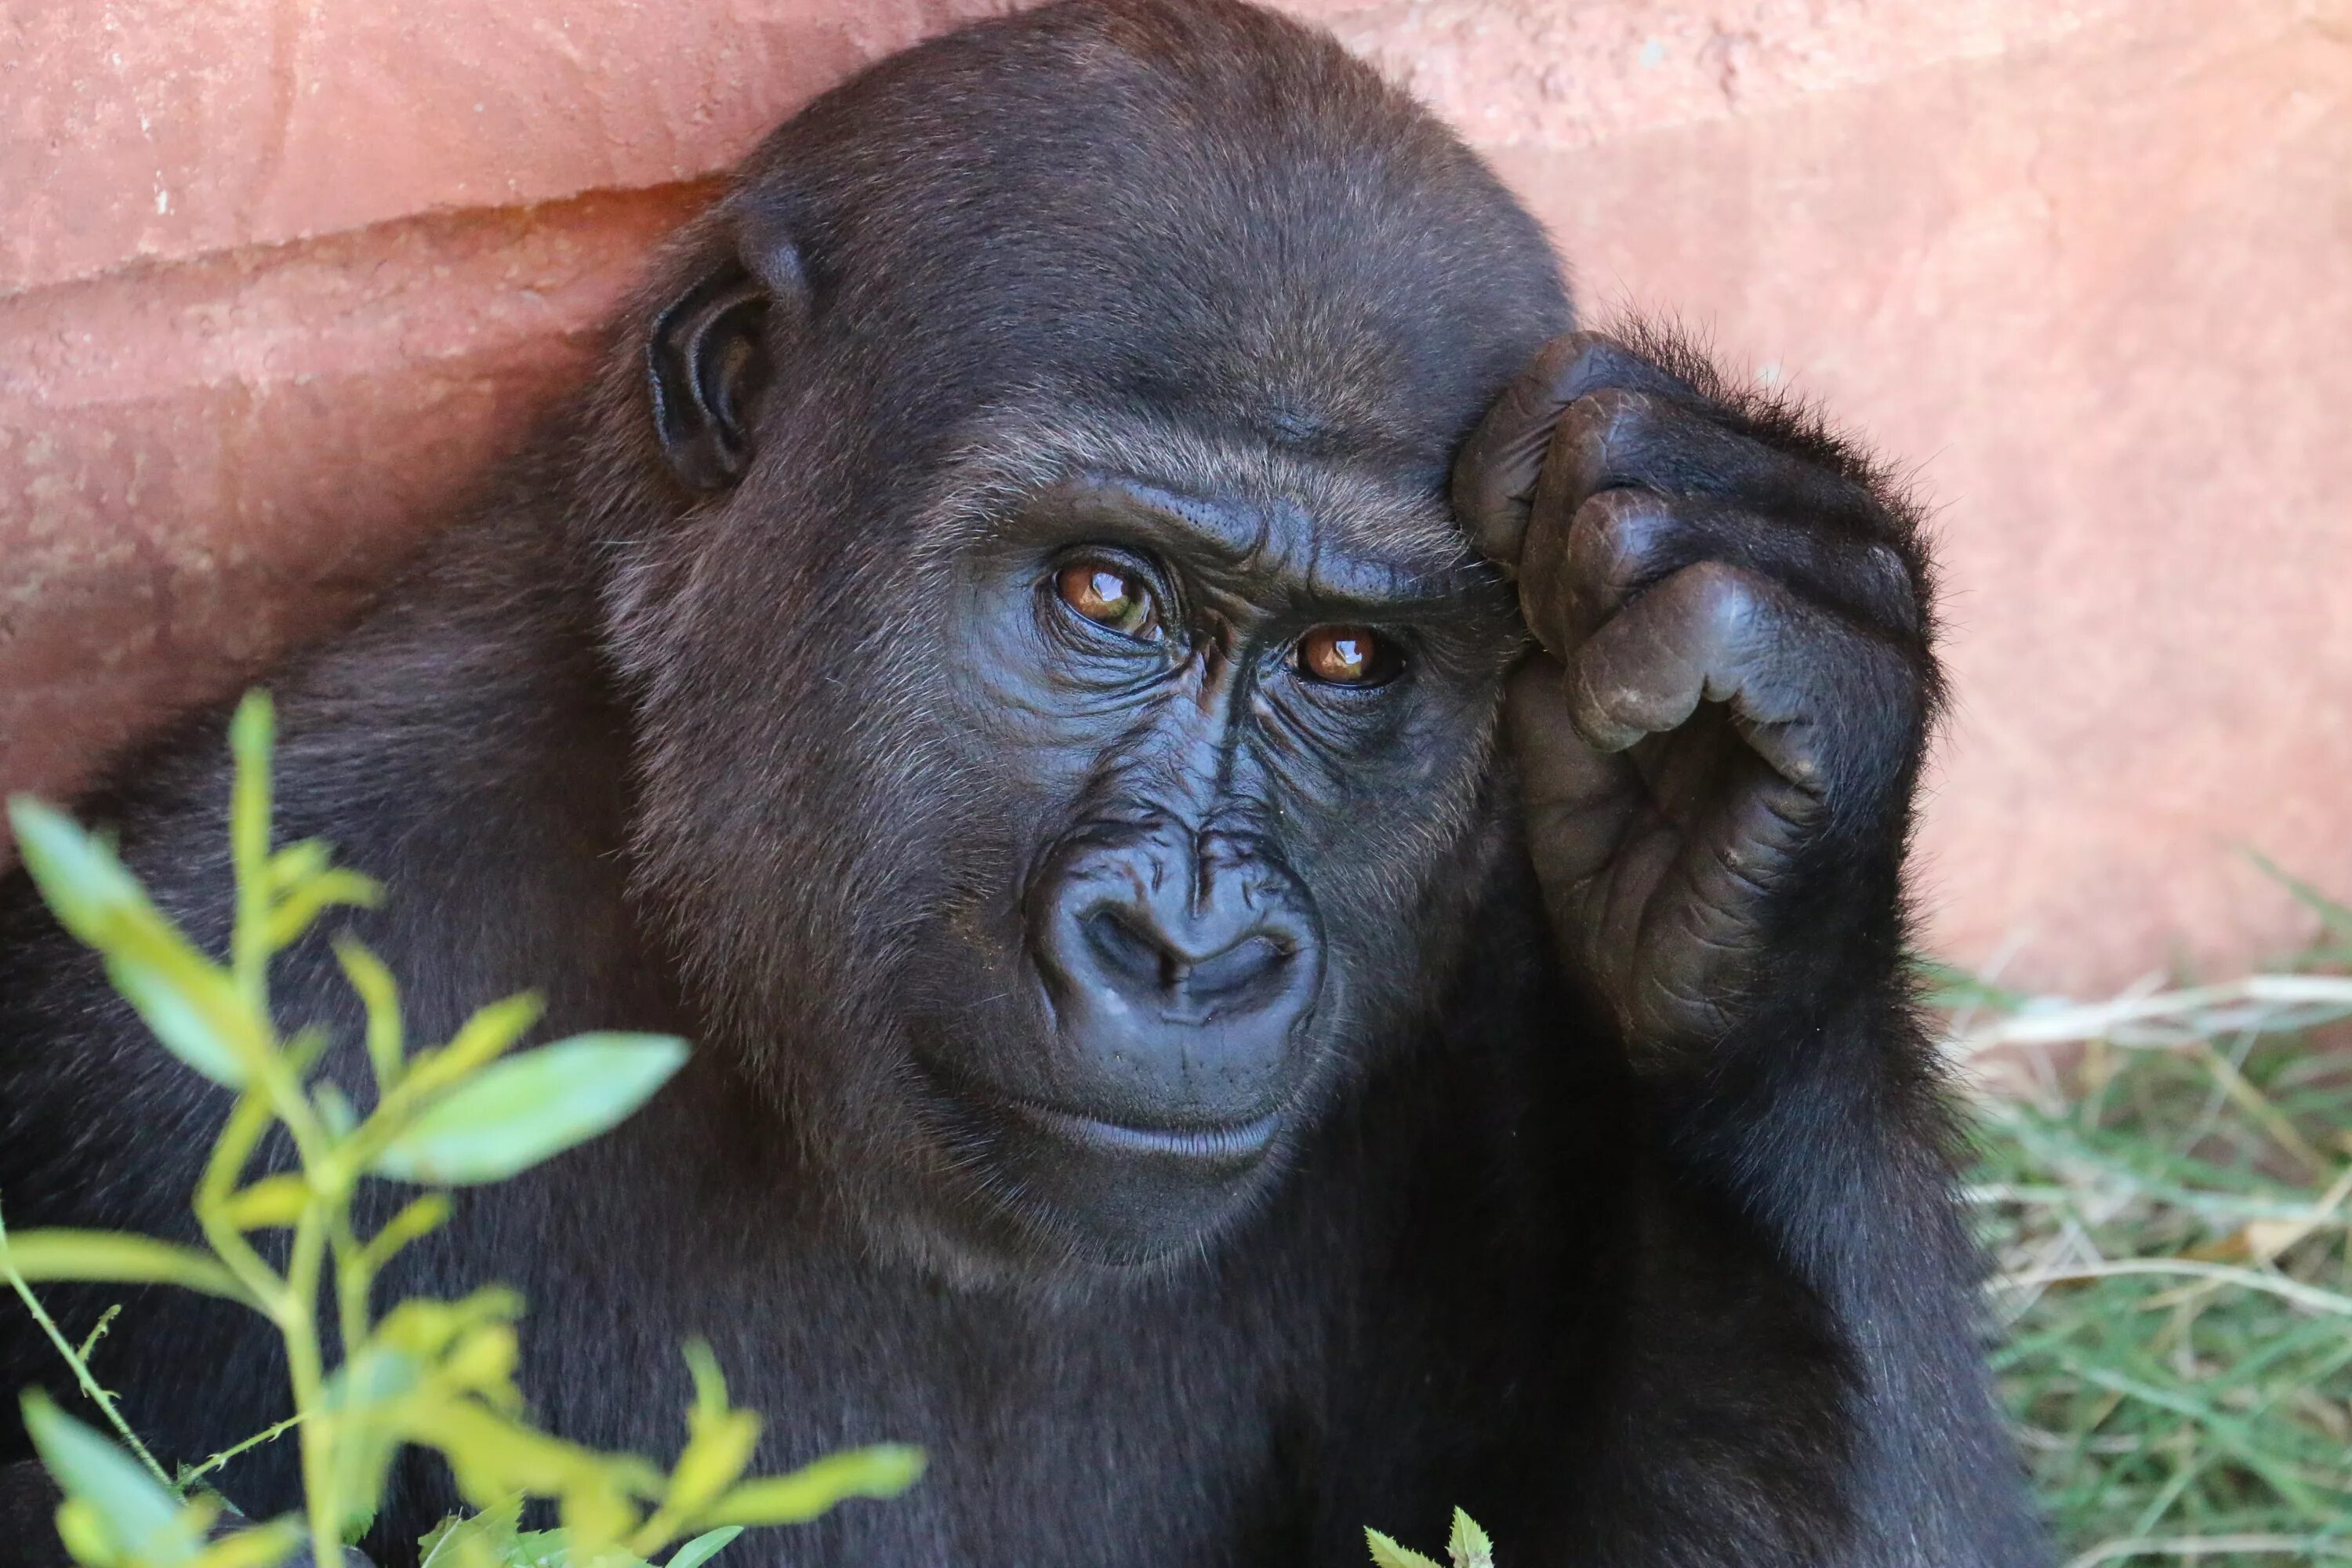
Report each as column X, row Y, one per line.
column 693, row 725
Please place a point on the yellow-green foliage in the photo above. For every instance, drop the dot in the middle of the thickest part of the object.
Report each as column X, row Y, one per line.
column 1466, row 1547
column 436, row 1374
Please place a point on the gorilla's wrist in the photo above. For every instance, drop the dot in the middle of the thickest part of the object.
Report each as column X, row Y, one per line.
column 1827, row 966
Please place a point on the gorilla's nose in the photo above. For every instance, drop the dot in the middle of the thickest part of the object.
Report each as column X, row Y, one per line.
column 1191, row 970
column 1180, row 968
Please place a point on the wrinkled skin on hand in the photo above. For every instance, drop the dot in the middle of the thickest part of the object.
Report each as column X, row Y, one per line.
column 1725, row 713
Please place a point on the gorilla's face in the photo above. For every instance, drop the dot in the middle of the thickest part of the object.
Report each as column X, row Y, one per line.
column 1216, row 736
column 1063, row 702
column 1056, row 845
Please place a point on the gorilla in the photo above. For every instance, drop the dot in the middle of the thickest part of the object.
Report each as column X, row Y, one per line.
column 1287, row 872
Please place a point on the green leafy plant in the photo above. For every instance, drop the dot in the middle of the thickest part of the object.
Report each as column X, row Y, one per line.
column 433, row 1373
column 1465, row 1547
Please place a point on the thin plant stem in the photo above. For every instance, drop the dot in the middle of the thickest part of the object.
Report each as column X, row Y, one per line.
column 97, row 1331
column 354, row 1280
column 299, row 1324
column 266, row 1434
column 243, row 1131
column 82, row 1375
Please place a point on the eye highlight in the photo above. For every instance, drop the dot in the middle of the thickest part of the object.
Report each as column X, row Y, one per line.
column 1347, row 656
column 1109, row 597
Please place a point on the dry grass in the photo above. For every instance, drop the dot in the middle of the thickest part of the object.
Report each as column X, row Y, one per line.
column 2166, row 1179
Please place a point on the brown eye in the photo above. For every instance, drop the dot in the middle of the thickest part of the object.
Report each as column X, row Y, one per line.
column 1106, row 596
column 1345, row 655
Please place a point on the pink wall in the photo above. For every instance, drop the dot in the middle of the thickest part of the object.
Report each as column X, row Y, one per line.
column 275, row 279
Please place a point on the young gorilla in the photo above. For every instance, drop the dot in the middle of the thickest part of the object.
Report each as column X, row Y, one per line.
column 1200, row 1027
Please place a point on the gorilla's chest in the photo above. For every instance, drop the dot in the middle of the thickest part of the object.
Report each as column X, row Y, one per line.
column 1321, row 1372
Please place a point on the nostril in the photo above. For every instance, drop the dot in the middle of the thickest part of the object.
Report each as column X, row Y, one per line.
column 1127, row 952
column 1125, row 949
column 1224, row 976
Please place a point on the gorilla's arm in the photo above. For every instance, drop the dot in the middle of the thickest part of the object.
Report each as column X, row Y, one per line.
column 1716, row 749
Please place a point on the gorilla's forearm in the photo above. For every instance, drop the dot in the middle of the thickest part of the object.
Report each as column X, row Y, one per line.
column 1839, row 1151
column 1821, row 1134
column 1718, row 743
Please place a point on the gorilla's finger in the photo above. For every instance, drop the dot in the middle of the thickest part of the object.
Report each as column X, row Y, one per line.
column 1618, row 436
column 1810, row 691
column 1621, row 541
column 1579, row 571
column 1579, row 801
column 1495, row 475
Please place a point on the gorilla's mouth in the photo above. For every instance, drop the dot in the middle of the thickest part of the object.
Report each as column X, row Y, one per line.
column 1234, row 1146
column 1100, row 1183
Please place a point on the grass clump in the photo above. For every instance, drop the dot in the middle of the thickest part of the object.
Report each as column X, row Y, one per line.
column 2166, row 1179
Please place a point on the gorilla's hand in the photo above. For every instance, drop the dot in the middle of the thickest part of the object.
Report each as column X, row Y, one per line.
column 1716, row 742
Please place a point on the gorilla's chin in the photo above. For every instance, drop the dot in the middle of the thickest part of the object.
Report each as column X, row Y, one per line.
column 1066, row 1183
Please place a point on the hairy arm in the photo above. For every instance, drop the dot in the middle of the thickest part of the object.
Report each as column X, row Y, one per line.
column 1718, row 742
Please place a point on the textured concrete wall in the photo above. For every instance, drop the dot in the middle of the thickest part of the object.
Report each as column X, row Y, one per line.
column 275, row 278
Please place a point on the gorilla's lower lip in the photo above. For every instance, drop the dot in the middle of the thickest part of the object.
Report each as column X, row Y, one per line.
column 1231, row 1143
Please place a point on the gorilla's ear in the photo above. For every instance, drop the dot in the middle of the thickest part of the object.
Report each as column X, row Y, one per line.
column 707, row 363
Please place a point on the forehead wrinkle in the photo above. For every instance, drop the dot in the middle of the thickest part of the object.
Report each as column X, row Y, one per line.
column 1352, row 512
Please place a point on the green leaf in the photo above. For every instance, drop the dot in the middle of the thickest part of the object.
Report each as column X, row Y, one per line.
column 304, row 1050
column 78, row 875
column 252, row 734
column 420, row 1217
column 335, row 1110
column 381, row 995
column 116, row 1258
column 362, row 1398
column 192, row 1012
column 552, row 1549
column 189, row 1001
column 882, row 1471
column 263, row 1546
column 276, row 1200
column 488, row 1032
column 126, row 1507
column 490, row 1533
column 481, row 1039
column 710, row 1382
column 516, row 1112
column 714, row 1459
column 703, row 1547
column 1468, row 1545
column 1389, row 1555
column 296, row 864
column 306, row 903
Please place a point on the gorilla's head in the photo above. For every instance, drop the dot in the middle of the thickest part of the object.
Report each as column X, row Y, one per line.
column 1066, row 701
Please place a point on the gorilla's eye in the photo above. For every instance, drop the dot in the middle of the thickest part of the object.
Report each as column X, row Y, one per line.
column 1109, row 597
column 1345, row 655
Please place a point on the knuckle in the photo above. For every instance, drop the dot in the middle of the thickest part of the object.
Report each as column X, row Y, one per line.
column 1721, row 594
column 1610, row 409
column 1616, row 537
column 1591, row 425
column 1559, row 360
column 1584, row 363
